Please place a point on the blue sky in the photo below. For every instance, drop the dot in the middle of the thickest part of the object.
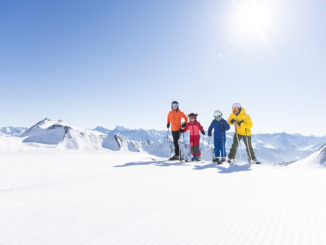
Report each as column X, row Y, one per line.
column 122, row 62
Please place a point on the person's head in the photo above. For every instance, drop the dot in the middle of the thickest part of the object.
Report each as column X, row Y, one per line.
column 218, row 115
column 236, row 108
column 192, row 117
column 175, row 105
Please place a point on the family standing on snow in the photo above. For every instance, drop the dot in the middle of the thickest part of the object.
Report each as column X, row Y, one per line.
column 239, row 118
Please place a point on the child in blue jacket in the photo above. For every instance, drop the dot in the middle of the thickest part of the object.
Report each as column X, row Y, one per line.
column 220, row 126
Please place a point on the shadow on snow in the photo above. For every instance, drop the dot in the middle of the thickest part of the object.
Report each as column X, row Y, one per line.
column 223, row 170
column 155, row 163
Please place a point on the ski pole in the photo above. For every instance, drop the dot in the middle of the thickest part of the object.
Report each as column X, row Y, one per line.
column 169, row 142
column 180, row 152
column 239, row 146
column 223, row 149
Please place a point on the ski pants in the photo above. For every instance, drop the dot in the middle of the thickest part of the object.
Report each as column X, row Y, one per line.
column 219, row 148
column 176, row 137
column 247, row 141
column 195, row 150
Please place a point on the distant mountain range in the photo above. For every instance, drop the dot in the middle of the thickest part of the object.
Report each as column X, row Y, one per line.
column 270, row 148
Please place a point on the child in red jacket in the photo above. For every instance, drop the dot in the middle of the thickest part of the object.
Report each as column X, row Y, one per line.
column 194, row 127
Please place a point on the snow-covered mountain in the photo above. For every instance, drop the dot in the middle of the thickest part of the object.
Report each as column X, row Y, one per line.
column 13, row 131
column 269, row 148
column 60, row 135
column 316, row 159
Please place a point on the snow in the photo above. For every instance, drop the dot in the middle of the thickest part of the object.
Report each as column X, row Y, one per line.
column 316, row 160
column 59, row 197
column 269, row 148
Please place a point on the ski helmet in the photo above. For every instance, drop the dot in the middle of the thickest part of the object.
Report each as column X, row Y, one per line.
column 175, row 103
column 218, row 114
column 236, row 107
column 192, row 115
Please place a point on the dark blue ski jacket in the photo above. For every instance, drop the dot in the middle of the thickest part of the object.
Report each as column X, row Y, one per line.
column 219, row 130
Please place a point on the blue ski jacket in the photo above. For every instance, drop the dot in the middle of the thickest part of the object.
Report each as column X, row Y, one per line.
column 219, row 130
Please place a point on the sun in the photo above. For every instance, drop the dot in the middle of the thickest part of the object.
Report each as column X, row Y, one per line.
column 251, row 19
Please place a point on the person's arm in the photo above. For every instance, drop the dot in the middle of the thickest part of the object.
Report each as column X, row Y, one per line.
column 184, row 117
column 185, row 129
column 201, row 128
column 168, row 120
column 210, row 129
column 231, row 119
column 247, row 123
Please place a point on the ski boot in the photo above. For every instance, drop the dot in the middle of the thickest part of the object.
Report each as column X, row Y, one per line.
column 217, row 160
column 194, row 158
column 174, row 158
column 197, row 159
column 231, row 161
column 223, row 159
column 255, row 161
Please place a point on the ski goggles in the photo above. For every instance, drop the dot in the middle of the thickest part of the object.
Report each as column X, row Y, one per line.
column 192, row 118
column 217, row 117
column 236, row 109
column 175, row 105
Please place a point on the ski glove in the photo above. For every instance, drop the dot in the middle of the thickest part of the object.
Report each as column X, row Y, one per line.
column 209, row 134
column 232, row 121
column 240, row 123
column 168, row 125
column 203, row 132
column 181, row 130
column 184, row 125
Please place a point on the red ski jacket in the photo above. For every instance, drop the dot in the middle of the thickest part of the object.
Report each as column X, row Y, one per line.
column 194, row 128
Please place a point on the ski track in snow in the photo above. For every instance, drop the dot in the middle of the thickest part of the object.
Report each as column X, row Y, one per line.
column 129, row 198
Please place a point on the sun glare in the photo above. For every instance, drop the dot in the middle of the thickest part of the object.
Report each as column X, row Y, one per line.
column 251, row 20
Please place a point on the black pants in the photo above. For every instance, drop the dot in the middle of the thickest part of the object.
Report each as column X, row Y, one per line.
column 176, row 137
column 247, row 141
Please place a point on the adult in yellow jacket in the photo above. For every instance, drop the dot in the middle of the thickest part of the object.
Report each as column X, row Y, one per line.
column 175, row 121
column 243, row 124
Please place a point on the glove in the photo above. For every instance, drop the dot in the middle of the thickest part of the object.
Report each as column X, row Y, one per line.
column 203, row 132
column 209, row 134
column 181, row 130
column 232, row 121
column 240, row 123
column 184, row 124
column 168, row 125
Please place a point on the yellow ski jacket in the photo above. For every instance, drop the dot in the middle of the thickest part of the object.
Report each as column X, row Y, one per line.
column 245, row 123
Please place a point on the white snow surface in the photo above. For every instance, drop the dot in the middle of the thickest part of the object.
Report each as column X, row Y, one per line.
column 52, row 197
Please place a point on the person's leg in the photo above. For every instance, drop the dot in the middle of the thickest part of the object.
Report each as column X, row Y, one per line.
column 250, row 150
column 234, row 147
column 195, row 151
column 216, row 149
column 198, row 153
column 176, row 137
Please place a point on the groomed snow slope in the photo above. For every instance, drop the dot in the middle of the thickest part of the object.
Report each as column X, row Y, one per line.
column 74, row 198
